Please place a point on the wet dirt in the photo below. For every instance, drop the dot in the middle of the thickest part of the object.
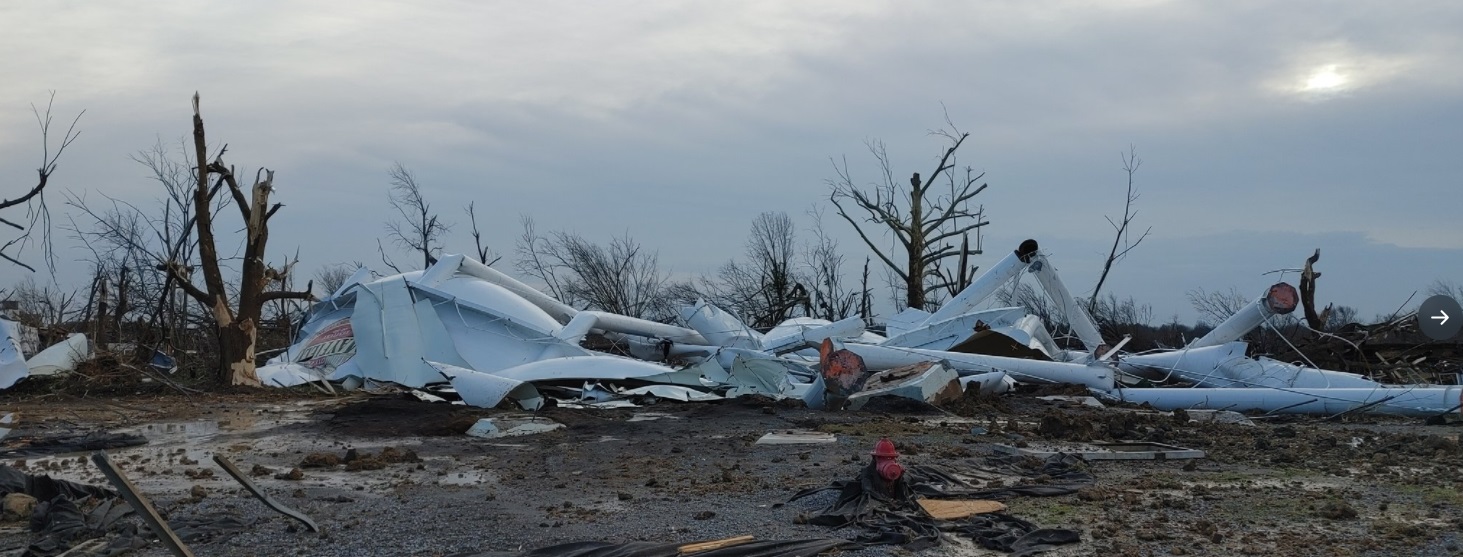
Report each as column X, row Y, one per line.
column 1288, row 486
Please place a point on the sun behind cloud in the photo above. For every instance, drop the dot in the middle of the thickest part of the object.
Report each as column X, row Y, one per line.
column 1326, row 78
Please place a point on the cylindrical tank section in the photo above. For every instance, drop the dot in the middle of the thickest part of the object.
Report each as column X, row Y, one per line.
column 1280, row 299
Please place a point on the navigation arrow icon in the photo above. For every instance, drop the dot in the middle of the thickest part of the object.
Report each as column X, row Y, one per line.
column 1435, row 318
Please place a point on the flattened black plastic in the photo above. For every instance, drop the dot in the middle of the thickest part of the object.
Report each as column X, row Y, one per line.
column 771, row 548
column 46, row 488
column 888, row 514
column 26, row 447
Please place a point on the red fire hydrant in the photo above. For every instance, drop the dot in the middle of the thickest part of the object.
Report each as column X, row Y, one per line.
column 884, row 460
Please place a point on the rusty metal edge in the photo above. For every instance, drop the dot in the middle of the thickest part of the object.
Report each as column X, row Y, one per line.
column 141, row 505
column 254, row 489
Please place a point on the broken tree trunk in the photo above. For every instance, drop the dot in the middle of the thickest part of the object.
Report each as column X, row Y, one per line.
column 1308, row 276
column 237, row 326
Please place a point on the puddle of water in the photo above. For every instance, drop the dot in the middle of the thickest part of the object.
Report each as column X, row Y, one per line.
column 650, row 417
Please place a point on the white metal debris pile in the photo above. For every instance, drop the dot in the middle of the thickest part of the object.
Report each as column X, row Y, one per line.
column 466, row 328
column 56, row 359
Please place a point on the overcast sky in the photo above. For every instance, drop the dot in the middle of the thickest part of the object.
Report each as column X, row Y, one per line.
column 1266, row 129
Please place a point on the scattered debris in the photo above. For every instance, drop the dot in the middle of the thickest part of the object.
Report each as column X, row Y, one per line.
column 140, row 504
column 797, row 548
column 888, row 511
column 268, row 501
column 492, row 428
column 926, row 381
column 1099, row 450
column 796, row 438
column 26, row 446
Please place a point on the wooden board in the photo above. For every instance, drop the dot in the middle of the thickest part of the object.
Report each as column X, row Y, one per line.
column 940, row 509
column 716, row 544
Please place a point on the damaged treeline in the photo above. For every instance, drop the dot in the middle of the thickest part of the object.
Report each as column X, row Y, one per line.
column 162, row 289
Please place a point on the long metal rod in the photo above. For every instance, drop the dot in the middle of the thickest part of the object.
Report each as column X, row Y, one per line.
column 141, row 505
column 249, row 485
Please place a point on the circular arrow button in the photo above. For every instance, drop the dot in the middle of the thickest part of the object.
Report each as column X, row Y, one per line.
column 1440, row 317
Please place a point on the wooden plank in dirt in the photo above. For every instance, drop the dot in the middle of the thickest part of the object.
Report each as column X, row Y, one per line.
column 942, row 509
column 714, row 544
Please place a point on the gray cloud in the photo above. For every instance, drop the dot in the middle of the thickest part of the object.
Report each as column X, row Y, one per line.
column 679, row 122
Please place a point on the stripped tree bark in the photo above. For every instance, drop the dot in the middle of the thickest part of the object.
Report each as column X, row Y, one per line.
column 237, row 323
column 925, row 222
column 1308, row 276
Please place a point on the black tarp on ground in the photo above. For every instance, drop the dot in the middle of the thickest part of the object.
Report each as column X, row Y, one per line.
column 29, row 446
column 59, row 523
column 794, row 548
column 888, row 514
column 46, row 488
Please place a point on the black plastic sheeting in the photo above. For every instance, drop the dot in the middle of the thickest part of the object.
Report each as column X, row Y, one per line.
column 27, row 447
column 887, row 513
column 794, row 548
column 59, row 523
column 46, row 488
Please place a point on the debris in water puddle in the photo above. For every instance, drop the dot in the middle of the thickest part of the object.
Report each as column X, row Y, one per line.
column 492, row 428
column 796, row 438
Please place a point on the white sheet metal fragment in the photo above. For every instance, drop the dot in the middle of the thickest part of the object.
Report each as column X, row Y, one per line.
column 796, row 438
column 926, row 382
column 986, row 285
column 488, row 391
column 1076, row 315
column 287, row 375
column 1397, row 400
column 797, row 333
column 509, row 426
column 12, row 360
column 593, row 368
column 720, row 327
column 1096, row 375
column 993, row 383
column 1226, row 365
column 673, row 392
column 448, row 266
column 758, row 376
column 61, row 357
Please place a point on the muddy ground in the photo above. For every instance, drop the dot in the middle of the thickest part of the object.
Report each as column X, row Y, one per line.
column 676, row 472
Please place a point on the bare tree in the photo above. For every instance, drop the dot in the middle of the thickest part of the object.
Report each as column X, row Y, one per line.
column 332, row 277
column 1447, row 288
column 1036, row 303
column 1122, row 241
column 1214, row 307
column 237, row 317
column 763, row 290
column 620, row 277
column 924, row 221
column 129, row 245
column 419, row 230
column 828, row 297
column 1114, row 314
column 483, row 252
column 37, row 214
column 1340, row 316
column 45, row 308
